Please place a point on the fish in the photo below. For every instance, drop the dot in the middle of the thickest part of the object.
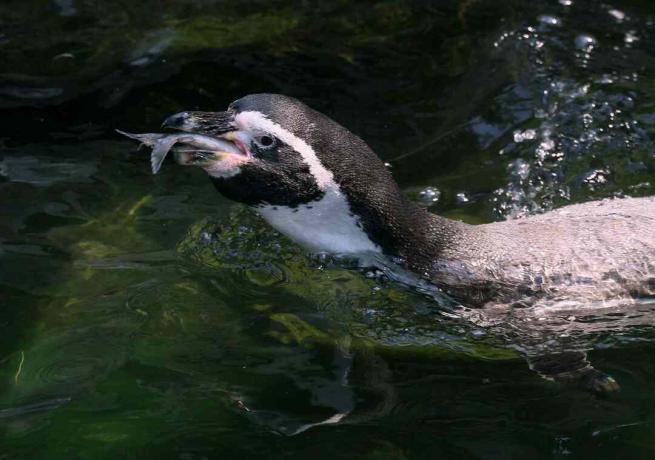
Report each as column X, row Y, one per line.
column 161, row 144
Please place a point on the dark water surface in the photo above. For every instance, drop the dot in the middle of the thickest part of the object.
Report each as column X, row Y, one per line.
column 148, row 317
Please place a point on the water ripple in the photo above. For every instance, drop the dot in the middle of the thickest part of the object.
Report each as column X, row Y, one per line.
column 46, row 405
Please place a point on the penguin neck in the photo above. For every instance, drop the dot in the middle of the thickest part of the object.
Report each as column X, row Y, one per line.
column 380, row 213
column 396, row 225
column 401, row 228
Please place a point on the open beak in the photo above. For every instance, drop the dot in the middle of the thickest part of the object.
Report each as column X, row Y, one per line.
column 207, row 123
column 214, row 141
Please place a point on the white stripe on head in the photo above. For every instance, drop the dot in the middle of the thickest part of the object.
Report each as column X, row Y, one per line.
column 251, row 119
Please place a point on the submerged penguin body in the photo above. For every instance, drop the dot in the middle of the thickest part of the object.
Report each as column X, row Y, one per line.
column 582, row 253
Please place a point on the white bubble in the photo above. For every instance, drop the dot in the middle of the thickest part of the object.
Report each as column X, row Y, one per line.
column 462, row 198
column 528, row 134
column 549, row 20
column 430, row 195
column 631, row 37
column 585, row 42
column 617, row 14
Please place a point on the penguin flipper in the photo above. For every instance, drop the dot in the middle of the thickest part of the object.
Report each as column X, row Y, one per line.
column 573, row 368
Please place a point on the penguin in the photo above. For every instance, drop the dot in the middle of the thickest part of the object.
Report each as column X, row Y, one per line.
column 324, row 188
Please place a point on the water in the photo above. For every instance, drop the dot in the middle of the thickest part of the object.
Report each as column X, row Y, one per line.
column 145, row 316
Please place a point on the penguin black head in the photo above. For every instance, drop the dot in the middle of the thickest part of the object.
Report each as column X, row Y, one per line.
column 292, row 153
column 278, row 165
column 304, row 172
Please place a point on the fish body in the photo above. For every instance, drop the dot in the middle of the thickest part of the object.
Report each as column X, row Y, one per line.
column 161, row 144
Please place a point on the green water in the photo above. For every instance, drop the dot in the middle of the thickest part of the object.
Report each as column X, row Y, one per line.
column 147, row 317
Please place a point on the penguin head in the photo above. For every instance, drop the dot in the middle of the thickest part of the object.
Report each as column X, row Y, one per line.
column 307, row 175
column 290, row 154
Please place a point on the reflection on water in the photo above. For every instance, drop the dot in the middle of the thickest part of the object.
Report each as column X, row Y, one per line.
column 44, row 171
column 146, row 315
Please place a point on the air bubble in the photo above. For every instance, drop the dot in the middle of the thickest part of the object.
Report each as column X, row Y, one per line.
column 549, row 20
column 430, row 195
column 462, row 198
column 630, row 37
column 528, row 134
column 585, row 42
column 617, row 14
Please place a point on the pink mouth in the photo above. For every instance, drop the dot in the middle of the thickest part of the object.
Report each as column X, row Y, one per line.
column 242, row 147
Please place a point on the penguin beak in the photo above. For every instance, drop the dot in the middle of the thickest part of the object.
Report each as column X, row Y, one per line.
column 207, row 123
column 219, row 125
column 228, row 149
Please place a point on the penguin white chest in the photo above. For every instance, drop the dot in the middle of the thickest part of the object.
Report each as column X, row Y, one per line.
column 325, row 225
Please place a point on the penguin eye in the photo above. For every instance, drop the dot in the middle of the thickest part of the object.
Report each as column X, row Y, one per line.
column 265, row 141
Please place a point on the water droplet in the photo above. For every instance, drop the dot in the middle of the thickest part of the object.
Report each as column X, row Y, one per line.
column 547, row 145
column 631, row 37
column 617, row 14
column 605, row 80
column 528, row 134
column 430, row 195
column 549, row 20
column 519, row 168
column 595, row 178
column 462, row 198
column 585, row 42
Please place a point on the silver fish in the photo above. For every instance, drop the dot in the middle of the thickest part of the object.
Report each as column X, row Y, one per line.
column 162, row 143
